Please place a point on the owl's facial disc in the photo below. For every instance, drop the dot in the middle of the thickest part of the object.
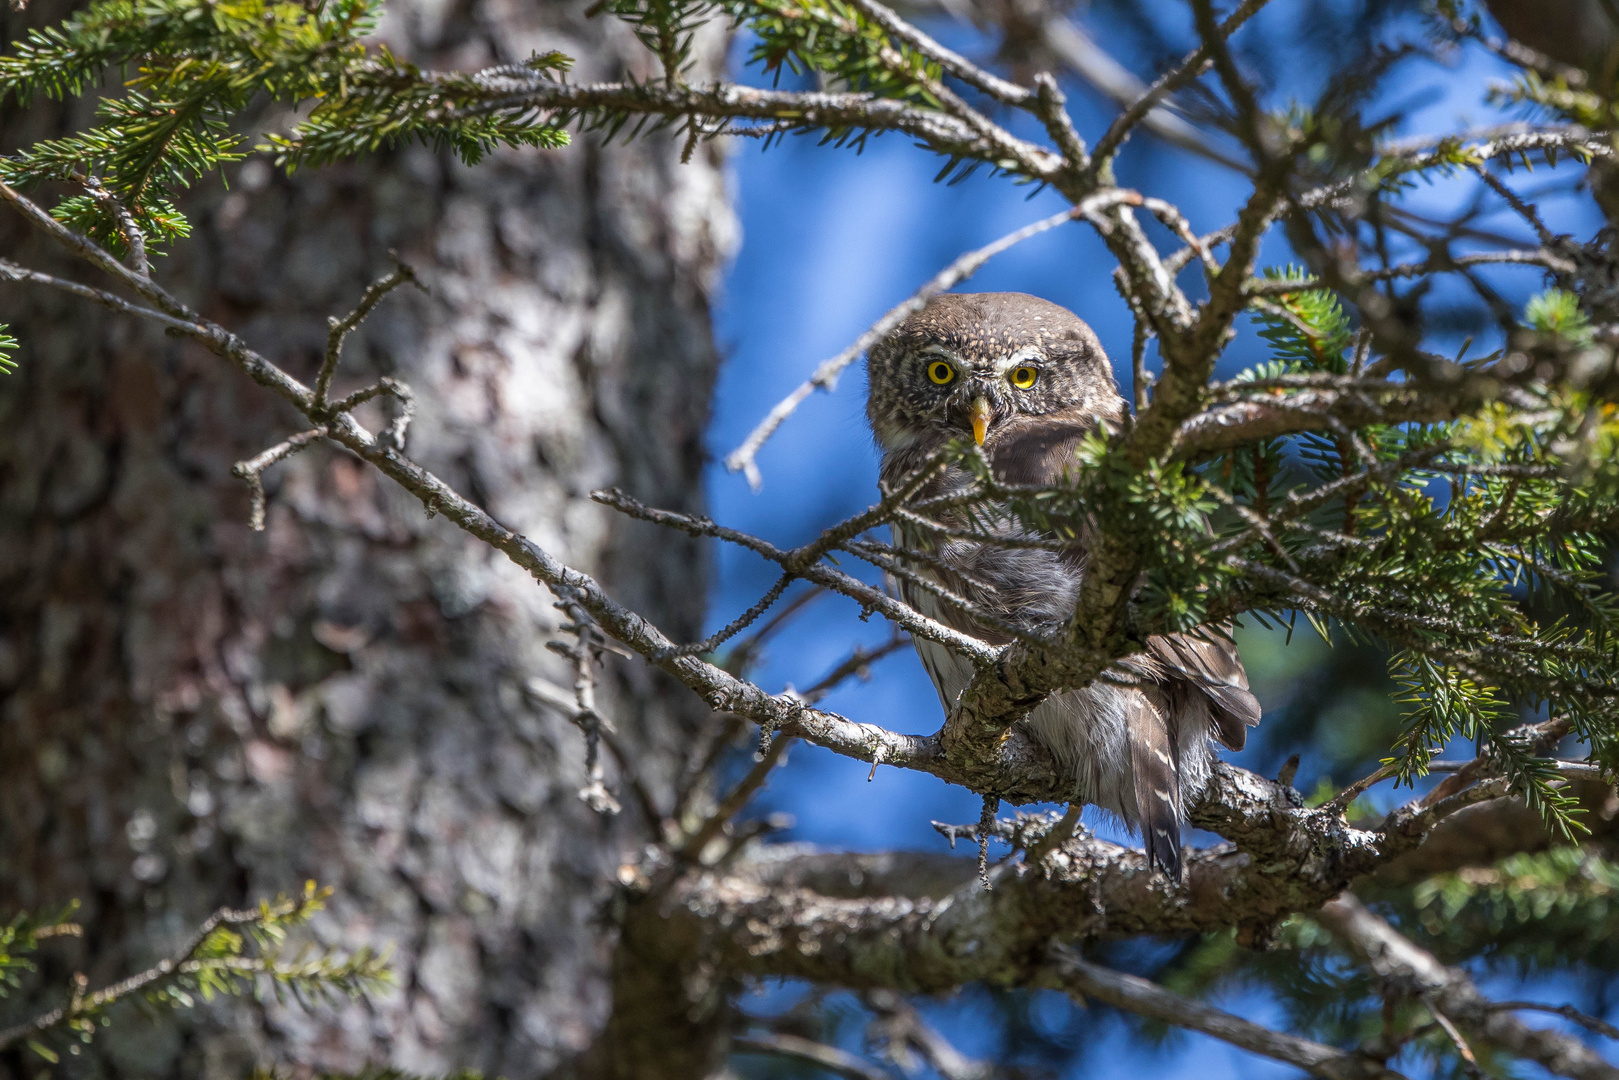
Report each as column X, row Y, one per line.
column 984, row 365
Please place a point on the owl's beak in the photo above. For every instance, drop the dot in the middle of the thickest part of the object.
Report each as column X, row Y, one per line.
column 980, row 415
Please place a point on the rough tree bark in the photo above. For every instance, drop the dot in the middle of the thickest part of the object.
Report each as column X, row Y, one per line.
column 192, row 714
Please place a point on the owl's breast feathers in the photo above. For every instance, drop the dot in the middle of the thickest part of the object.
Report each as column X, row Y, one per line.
column 1040, row 451
column 1141, row 753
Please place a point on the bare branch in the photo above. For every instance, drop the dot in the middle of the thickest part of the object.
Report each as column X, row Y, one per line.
column 738, row 624
column 1225, row 426
column 1440, row 263
column 1193, row 65
column 338, row 329
column 394, row 435
column 1052, row 108
column 566, row 703
column 780, row 1044
column 10, row 271
column 1007, row 93
column 1082, row 55
column 742, row 655
column 252, row 470
column 736, row 799
column 856, row 665
column 836, row 580
column 904, row 1035
column 1392, row 956
column 1144, row 998
column 1567, row 1012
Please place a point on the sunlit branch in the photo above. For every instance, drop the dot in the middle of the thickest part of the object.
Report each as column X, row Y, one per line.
column 954, row 63
column 515, row 92
column 781, row 1044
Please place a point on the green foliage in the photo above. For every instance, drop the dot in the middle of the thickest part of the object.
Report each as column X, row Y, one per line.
column 8, row 347
column 237, row 953
column 1532, row 909
column 1314, row 338
column 1557, row 313
column 21, row 937
column 387, row 102
column 664, row 26
column 1486, row 586
column 837, row 39
column 1473, row 549
column 198, row 66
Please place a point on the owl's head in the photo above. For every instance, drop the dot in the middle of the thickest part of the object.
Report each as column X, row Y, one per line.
column 975, row 364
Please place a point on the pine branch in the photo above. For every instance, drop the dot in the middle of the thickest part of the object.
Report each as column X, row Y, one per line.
column 212, row 962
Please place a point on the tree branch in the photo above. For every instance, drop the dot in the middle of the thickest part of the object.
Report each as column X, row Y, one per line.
column 1144, row 998
column 1394, row 958
column 780, row 1044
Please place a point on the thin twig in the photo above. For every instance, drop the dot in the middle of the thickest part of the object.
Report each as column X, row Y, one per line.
column 736, row 625
column 1567, row 1012
column 742, row 655
column 1394, row 958
column 134, row 235
column 1452, row 1032
column 735, row 799
column 856, row 665
column 339, row 329
column 954, row 63
column 252, row 470
column 1193, row 65
column 901, row 1030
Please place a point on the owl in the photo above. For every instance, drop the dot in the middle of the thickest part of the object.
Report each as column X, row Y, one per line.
column 1027, row 381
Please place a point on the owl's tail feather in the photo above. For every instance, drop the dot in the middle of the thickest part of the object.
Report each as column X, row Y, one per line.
column 1153, row 758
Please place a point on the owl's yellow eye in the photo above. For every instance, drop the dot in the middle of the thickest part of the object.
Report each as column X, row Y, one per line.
column 1024, row 377
column 941, row 373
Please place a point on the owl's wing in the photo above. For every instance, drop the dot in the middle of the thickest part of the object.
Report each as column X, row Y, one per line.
column 1037, row 450
column 1210, row 662
column 1155, row 768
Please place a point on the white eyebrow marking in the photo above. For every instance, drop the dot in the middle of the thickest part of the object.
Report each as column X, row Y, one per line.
column 1017, row 359
column 936, row 349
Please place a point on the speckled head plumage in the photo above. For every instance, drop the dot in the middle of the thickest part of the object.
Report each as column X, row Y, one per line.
column 988, row 343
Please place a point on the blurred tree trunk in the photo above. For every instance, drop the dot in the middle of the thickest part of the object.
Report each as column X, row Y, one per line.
column 192, row 714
